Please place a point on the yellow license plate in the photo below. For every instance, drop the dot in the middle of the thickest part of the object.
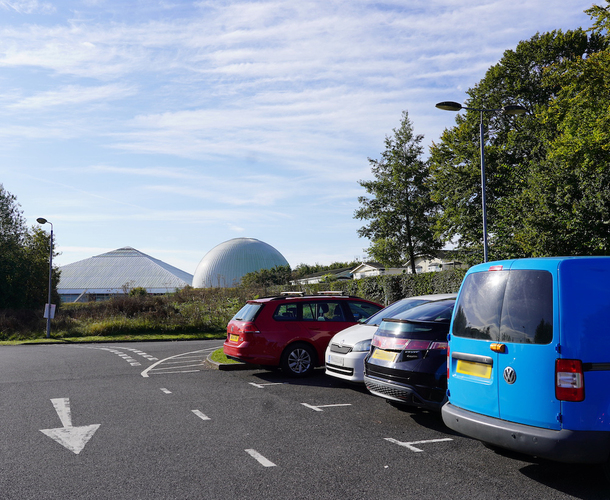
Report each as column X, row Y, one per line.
column 473, row 369
column 234, row 338
column 384, row 355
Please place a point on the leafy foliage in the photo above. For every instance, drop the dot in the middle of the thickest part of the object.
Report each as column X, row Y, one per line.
column 400, row 210
column 24, row 266
column 541, row 198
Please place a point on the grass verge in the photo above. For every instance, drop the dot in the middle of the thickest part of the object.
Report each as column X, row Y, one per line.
column 117, row 338
column 218, row 356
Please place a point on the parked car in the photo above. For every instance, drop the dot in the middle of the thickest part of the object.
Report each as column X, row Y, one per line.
column 347, row 349
column 407, row 363
column 529, row 368
column 292, row 331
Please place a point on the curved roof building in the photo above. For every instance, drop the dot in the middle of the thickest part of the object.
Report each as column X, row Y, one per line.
column 115, row 272
column 227, row 263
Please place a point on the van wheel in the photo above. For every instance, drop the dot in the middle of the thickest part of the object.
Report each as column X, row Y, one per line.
column 298, row 360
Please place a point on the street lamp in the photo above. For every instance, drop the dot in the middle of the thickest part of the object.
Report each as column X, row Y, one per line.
column 509, row 110
column 42, row 220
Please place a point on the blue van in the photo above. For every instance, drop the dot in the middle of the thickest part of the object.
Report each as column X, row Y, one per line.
column 528, row 363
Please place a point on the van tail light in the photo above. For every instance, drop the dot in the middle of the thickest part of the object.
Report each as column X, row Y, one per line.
column 448, row 361
column 569, row 380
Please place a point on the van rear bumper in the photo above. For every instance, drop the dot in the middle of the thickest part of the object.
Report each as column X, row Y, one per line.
column 561, row 446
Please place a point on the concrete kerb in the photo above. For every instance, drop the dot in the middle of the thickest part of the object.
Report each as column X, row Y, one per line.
column 228, row 366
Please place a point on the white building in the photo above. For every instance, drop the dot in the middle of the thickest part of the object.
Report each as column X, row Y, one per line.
column 116, row 273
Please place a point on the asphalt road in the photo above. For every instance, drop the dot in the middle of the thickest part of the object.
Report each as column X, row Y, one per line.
column 149, row 420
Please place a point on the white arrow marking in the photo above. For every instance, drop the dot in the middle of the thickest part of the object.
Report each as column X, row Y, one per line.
column 413, row 448
column 73, row 438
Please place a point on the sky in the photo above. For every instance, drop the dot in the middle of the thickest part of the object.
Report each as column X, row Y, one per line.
column 173, row 126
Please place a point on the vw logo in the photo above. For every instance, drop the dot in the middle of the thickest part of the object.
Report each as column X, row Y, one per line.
column 510, row 375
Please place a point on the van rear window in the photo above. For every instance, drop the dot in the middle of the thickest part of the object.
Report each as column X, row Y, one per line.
column 506, row 306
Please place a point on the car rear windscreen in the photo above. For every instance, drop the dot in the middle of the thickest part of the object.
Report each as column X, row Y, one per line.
column 248, row 312
column 506, row 306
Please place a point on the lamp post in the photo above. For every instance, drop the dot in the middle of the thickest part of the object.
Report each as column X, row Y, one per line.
column 509, row 110
column 42, row 220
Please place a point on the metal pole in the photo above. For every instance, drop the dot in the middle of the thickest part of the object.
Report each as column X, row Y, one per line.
column 483, row 198
column 50, row 284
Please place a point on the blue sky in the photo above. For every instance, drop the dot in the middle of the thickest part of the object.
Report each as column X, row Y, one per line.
column 173, row 126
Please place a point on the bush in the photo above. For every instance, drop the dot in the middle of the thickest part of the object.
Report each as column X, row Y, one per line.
column 202, row 310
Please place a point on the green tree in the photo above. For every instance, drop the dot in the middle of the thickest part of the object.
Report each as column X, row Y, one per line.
column 264, row 278
column 24, row 267
column 531, row 76
column 567, row 199
column 400, row 210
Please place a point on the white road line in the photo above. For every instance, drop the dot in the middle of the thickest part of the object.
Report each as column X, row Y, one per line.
column 261, row 460
column 413, row 448
column 166, row 391
column 201, row 415
column 151, row 367
column 185, row 360
column 174, row 367
column 262, row 386
column 319, row 408
column 180, row 371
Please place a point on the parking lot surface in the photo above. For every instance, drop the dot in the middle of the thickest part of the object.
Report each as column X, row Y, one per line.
column 167, row 426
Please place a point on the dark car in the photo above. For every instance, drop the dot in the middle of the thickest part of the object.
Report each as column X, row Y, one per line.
column 292, row 332
column 407, row 362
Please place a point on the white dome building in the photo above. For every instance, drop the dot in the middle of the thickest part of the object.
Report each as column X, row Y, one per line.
column 227, row 263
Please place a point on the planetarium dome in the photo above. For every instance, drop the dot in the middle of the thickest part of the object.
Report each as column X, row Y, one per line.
column 227, row 263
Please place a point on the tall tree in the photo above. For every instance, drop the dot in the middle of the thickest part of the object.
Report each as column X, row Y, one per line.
column 567, row 199
column 514, row 146
column 400, row 210
column 24, row 266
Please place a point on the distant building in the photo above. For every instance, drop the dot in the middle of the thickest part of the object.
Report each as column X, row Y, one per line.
column 226, row 264
column 333, row 274
column 444, row 260
column 116, row 273
column 367, row 269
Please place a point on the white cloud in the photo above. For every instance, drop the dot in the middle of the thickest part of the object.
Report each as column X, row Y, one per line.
column 28, row 6
column 71, row 95
column 151, row 123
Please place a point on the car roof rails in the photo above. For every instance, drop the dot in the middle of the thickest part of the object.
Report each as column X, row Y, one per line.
column 331, row 292
column 292, row 294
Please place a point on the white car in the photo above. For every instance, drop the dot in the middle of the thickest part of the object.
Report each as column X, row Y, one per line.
column 346, row 351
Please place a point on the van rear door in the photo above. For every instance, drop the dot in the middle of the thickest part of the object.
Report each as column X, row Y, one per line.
column 502, row 349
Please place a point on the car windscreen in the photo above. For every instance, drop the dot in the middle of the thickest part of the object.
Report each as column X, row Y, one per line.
column 248, row 312
column 434, row 312
column 395, row 334
column 393, row 309
column 506, row 306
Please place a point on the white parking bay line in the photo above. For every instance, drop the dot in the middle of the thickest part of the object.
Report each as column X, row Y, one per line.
column 261, row 460
column 262, row 386
column 319, row 408
column 166, row 391
column 154, row 366
column 201, row 415
column 413, row 448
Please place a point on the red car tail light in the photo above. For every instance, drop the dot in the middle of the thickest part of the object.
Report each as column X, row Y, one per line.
column 249, row 329
column 569, row 380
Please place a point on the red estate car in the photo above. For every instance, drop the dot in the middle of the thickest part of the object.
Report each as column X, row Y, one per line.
column 292, row 331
